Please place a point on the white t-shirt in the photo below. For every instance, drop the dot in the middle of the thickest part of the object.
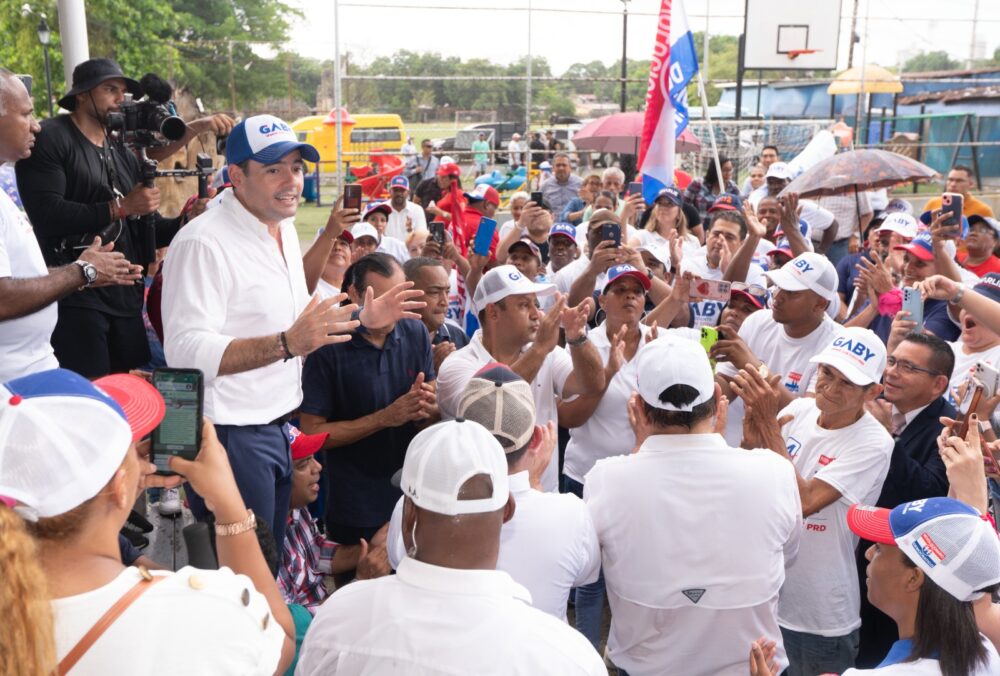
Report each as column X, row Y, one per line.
column 707, row 312
column 690, row 246
column 459, row 367
column 965, row 366
column 25, row 345
column 325, row 289
column 198, row 622
column 395, row 248
column 821, row 594
column 931, row 667
column 396, row 225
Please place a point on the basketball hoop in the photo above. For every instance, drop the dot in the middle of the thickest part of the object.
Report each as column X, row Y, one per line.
column 794, row 53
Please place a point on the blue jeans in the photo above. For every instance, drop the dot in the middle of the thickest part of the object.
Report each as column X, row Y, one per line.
column 589, row 597
column 837, row 250
column 262, row 465
column 810, row 654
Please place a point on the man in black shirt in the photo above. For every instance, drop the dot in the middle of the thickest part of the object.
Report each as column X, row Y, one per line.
column 78, row 183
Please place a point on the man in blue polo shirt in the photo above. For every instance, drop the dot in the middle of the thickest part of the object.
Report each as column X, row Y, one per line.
column 372, row 395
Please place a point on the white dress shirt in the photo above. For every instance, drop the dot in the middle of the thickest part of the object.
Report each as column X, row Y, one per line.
column 396, row 227
column 224, row 279
column 549, row 545
column 428, row 620
column 695, row 536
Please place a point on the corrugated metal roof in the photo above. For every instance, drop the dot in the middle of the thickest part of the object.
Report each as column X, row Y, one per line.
column 947, row 96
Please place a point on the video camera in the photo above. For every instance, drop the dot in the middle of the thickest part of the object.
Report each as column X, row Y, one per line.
column 146, row 123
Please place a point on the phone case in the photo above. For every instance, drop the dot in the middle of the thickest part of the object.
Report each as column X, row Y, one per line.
column 484, row 236
column 613, row 232
column 914, row 304
column 352, row 196
column 989, row 377
column 436, row 229
column 952, row 203
column 710, row 289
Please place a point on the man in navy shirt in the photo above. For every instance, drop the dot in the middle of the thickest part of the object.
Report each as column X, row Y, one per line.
column 372, row 395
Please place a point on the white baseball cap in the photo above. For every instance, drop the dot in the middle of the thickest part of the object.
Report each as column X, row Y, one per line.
column 857, row 353
column 673, row 361
column 900, row 223
column 63, row 437
column 441, row 458
column 807, row 271
column 364, row 229
column 503, row 281
column 660, row 252
column 779, row 170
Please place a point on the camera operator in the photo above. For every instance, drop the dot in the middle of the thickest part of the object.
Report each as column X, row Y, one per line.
column 79, row 183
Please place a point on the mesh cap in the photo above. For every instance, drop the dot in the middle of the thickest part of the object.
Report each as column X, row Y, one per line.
column 501, row 401
column 673, row 361
column 441, row 458
column 948, row 540
column 503, row 281
column 62, row 437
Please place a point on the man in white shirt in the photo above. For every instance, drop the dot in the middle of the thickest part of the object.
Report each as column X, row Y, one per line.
column 549, row 545
column 515, row 152
column 515, row 332
column 235, row 306
column 689, row 593
column 29, row 290
column 447, row 610
column 405, row 216
column 852, row 213
column 777, row 177
column 840, row 453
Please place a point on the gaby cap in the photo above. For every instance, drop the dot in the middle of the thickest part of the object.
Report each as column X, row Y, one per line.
column 616, row 272
column 484, row 191
column 441, row 458
column 902, row 224
column 265, row 139
column 989, row 286
column 364, row 229
column 857, row 353
column 373, row 207
column 503, row 281
column 670, row 361
column 303, row 445
column 670, row 194
column 502, row 402
column 898, row 205
column 807, row 271
column 93, row 72
column 779, row 170
column 950, row 541
column 921, row 246
column 563, row 229
column 62, row 437
column 399, row 182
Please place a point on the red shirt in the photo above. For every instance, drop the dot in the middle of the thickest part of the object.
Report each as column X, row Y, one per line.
column 470, row 225
column 991, row 264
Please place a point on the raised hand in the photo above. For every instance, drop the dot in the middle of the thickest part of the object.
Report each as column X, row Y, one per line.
column 938, row 287
column 574, row 319
column 440, row 352
column 616, row 357
column 321, row 323
column 547, row 336
column 540, row 460
column 754, row 226
column 758, row 392
column 397, row 303
column 875, row 274
column 340, row 219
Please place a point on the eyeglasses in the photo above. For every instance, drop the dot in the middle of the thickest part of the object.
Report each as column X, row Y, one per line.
column 909, row 367
column 752, row 289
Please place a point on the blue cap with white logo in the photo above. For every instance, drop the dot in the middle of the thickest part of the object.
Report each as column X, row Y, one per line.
column 563, row 229
column 616, row 272
column 265, row 139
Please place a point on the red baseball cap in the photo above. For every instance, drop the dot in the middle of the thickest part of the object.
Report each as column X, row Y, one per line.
column 142, row 404
column 449, row 169
column 304, row 445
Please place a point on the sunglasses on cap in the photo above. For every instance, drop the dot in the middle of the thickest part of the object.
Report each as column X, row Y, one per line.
column 752, row 289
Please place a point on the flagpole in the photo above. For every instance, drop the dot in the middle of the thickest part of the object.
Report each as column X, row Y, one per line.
column 711, row 132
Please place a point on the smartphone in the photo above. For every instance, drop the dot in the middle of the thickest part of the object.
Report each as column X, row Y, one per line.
column 709, row 337
column 989, row 377
column 951, row 203
column 635, row 188
column 484, row 236
column 710, row 289
column 536, row 197
column 962, row 428
column 436, row 229
column 914, row 304
column 352, row 196
column 613, row 232
column 179, row 434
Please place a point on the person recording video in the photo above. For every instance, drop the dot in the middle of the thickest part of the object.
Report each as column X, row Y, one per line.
column 81, row 182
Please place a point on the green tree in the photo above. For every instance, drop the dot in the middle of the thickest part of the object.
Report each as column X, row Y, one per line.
column 928, row 61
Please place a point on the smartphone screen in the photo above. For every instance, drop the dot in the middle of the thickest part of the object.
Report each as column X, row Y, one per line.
column 436, row 229
column 612, row 232
column 484, row 236
column 352, row 196
column 180, row 431
column 914, row 304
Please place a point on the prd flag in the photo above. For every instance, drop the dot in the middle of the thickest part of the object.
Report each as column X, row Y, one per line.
column 673, row 65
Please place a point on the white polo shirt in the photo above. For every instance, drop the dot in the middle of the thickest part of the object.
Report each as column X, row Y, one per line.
column 396, row 226
column 695, row 537
column 395, row 248
column 607, row 431
column 25, row 342
column 224, row 278
column 429, row 620
column 821, row 593
column 461, row 365
column 549, row 545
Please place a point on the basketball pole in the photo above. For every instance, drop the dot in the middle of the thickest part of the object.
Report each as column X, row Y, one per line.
column 711, row 132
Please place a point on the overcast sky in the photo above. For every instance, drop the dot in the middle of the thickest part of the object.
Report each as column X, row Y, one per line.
column 592, row 30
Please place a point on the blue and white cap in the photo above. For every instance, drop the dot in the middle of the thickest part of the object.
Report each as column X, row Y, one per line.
column 950, row 541
column 563, row 229
column 857, row 353
column 265, row 139
column 63, row 437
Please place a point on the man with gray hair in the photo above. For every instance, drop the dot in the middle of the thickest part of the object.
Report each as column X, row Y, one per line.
column 563, row 186
column 28, row 289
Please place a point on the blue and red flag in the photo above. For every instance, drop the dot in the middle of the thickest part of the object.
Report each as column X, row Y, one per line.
column 673, row 65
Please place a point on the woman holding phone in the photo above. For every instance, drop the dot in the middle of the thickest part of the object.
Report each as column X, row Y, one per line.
column 665, row 222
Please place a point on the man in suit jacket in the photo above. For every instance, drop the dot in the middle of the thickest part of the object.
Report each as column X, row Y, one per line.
column 916, row 376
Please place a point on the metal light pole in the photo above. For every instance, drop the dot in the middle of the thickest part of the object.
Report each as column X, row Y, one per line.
column 45, row 37
column 624, row 50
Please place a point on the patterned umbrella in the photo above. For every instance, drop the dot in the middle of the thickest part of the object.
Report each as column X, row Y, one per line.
column 858, row 171
column 621, row 132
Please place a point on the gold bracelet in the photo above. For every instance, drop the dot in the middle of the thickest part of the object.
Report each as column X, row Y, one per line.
column 247, row 524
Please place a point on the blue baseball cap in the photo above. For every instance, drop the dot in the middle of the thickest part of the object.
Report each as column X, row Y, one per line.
column 921, row 246
column 563, row 229
column 952, row 543
column 399, row 182
column 927, row 217
column 265, row 139
column 989, row 286
column 372, row 207
column 616, row 272
column 726, row 202
column 670, row 193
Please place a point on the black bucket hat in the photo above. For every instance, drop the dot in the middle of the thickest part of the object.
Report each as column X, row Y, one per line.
column 93, row 72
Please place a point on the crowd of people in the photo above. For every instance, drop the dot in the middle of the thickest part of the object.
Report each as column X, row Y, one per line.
column 730, row 431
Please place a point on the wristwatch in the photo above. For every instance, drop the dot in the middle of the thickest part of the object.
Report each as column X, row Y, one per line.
column 579, row 340
column 89, row 272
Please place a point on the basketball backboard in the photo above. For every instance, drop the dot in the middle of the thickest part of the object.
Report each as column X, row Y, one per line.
column 786, row 35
